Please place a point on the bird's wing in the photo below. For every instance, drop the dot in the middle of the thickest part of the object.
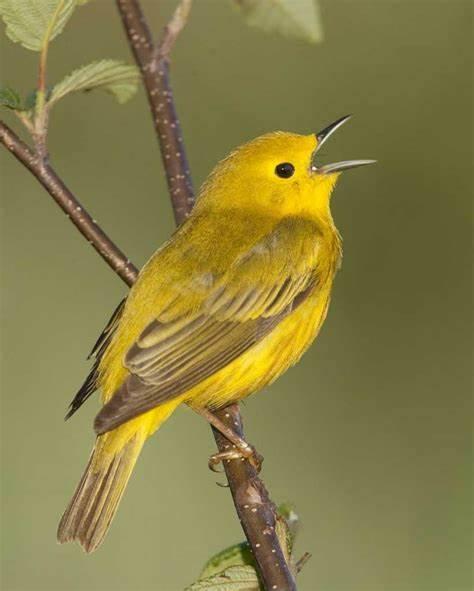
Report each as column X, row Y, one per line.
column 91, row 383
column 256, row 292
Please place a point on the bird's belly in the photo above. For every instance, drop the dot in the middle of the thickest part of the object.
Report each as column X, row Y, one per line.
column 264, row 362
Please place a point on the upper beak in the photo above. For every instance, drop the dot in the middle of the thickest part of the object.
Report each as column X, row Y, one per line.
column 324, row 135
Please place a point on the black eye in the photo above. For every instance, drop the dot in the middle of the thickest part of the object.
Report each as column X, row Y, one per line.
column 285, row 170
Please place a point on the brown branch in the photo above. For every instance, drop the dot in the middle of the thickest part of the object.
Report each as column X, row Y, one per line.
column 86, row 225
column 256, row 512
column 155, row 74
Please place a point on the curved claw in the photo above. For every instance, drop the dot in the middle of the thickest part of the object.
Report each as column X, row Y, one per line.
column 223, row 484
column 213, row 464
column 223, row 456
column 248, row 453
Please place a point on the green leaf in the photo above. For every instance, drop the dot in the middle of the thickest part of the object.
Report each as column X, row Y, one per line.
column 117, row 78
column 10, row 98
column 286, row 529
column 287, row 511
column 294, row 18
column 235, row 578
column 236, row 555
column 31, row 22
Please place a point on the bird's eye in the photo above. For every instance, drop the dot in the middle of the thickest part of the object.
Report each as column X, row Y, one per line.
column 285, row 170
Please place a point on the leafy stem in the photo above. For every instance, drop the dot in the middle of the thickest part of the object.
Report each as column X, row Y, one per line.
column 41, row 107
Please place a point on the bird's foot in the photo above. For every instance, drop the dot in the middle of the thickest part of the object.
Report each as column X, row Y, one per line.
column 243, row 451
column 236, row 449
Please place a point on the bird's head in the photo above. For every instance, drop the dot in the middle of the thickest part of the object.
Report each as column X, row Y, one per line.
column 278, row 173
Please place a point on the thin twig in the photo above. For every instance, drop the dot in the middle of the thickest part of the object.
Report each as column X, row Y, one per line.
column 155, row 74
column 255, row 510
column 86, row 225
column 302, row 561
column 40, row 110
column 172, row 30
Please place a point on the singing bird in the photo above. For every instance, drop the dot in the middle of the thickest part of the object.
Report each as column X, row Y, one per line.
column 222, row 309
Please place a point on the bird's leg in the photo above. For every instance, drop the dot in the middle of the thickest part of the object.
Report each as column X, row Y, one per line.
column 223, row 456
column 241, row 449
column 227, row 431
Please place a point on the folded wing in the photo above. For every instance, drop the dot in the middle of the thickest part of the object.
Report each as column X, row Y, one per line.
column 176, row 352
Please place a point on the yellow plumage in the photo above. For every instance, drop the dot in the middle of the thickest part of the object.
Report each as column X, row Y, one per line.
column 231, row 301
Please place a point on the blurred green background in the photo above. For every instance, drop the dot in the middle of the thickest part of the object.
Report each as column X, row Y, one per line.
column 369, row 436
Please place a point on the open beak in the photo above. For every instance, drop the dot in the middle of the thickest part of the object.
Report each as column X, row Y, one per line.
column 322, row 137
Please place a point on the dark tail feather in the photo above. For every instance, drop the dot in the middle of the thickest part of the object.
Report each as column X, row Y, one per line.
column 92, row 508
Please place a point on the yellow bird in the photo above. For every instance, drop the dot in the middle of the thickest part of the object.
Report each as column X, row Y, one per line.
column 228, row 304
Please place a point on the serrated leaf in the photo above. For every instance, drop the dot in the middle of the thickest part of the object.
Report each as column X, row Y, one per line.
column 237, row 555
column 294, row 18
column 10, row 98
column 235, row 578
column 117, row 78
column 30, row 22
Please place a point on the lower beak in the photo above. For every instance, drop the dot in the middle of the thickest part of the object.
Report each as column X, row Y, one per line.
column 322, row 136
column 339, row 166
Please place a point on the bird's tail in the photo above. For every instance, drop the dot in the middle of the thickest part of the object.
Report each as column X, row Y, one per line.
column 92, row 507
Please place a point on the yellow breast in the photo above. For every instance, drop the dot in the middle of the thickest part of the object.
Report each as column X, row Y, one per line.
column 265, row 362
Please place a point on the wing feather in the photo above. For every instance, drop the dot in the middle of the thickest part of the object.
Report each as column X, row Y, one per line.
column 240, row 309
column 91, row 382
